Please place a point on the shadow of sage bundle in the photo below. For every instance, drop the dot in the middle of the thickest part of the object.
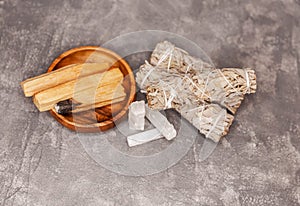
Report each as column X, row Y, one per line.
column 199, row 92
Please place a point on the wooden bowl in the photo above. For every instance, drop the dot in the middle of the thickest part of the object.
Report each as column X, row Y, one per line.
column 92, row 120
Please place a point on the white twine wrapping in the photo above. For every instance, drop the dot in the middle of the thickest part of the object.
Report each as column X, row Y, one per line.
column 219, row 70
column 170, row 59
column 216, row 122
column 164, row 56
column 247, row 82
column 169, row 102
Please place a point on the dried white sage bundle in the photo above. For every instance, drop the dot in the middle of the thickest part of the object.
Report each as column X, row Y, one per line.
column 176, row 80
column 167, row 55
column 226, row 87
column 210, row 119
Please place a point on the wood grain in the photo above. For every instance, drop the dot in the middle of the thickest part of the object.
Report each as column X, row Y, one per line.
column 68, row 73
column 89, row 86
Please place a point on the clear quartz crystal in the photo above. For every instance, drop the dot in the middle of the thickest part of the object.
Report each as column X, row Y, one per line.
column 143, row 137
column 161, row 123
column 136, row 115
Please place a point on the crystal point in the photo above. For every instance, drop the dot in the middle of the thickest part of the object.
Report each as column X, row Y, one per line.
column 161, row 123
column 143, row 137
column 136, row 115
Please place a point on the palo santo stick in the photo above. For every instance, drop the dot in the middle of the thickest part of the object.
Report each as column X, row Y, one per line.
column 46, row 99
column 68, row 73
column 116, row 92
column 99, row 104
column 96, row 94
column 69, row 106
column 110, row 110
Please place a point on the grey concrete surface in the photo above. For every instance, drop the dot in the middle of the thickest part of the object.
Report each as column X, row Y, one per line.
column 258, row 163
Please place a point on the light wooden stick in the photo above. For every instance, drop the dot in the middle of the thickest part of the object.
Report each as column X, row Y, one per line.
column 90, row 96
column 46, row 99
column 48, row 80
column 103, row 103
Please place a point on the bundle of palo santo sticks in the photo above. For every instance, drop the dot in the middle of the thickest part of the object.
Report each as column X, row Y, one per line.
column 207, row 97
column 76, row 88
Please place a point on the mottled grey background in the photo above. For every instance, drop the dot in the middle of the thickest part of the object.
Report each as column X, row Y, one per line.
column 42, row 163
